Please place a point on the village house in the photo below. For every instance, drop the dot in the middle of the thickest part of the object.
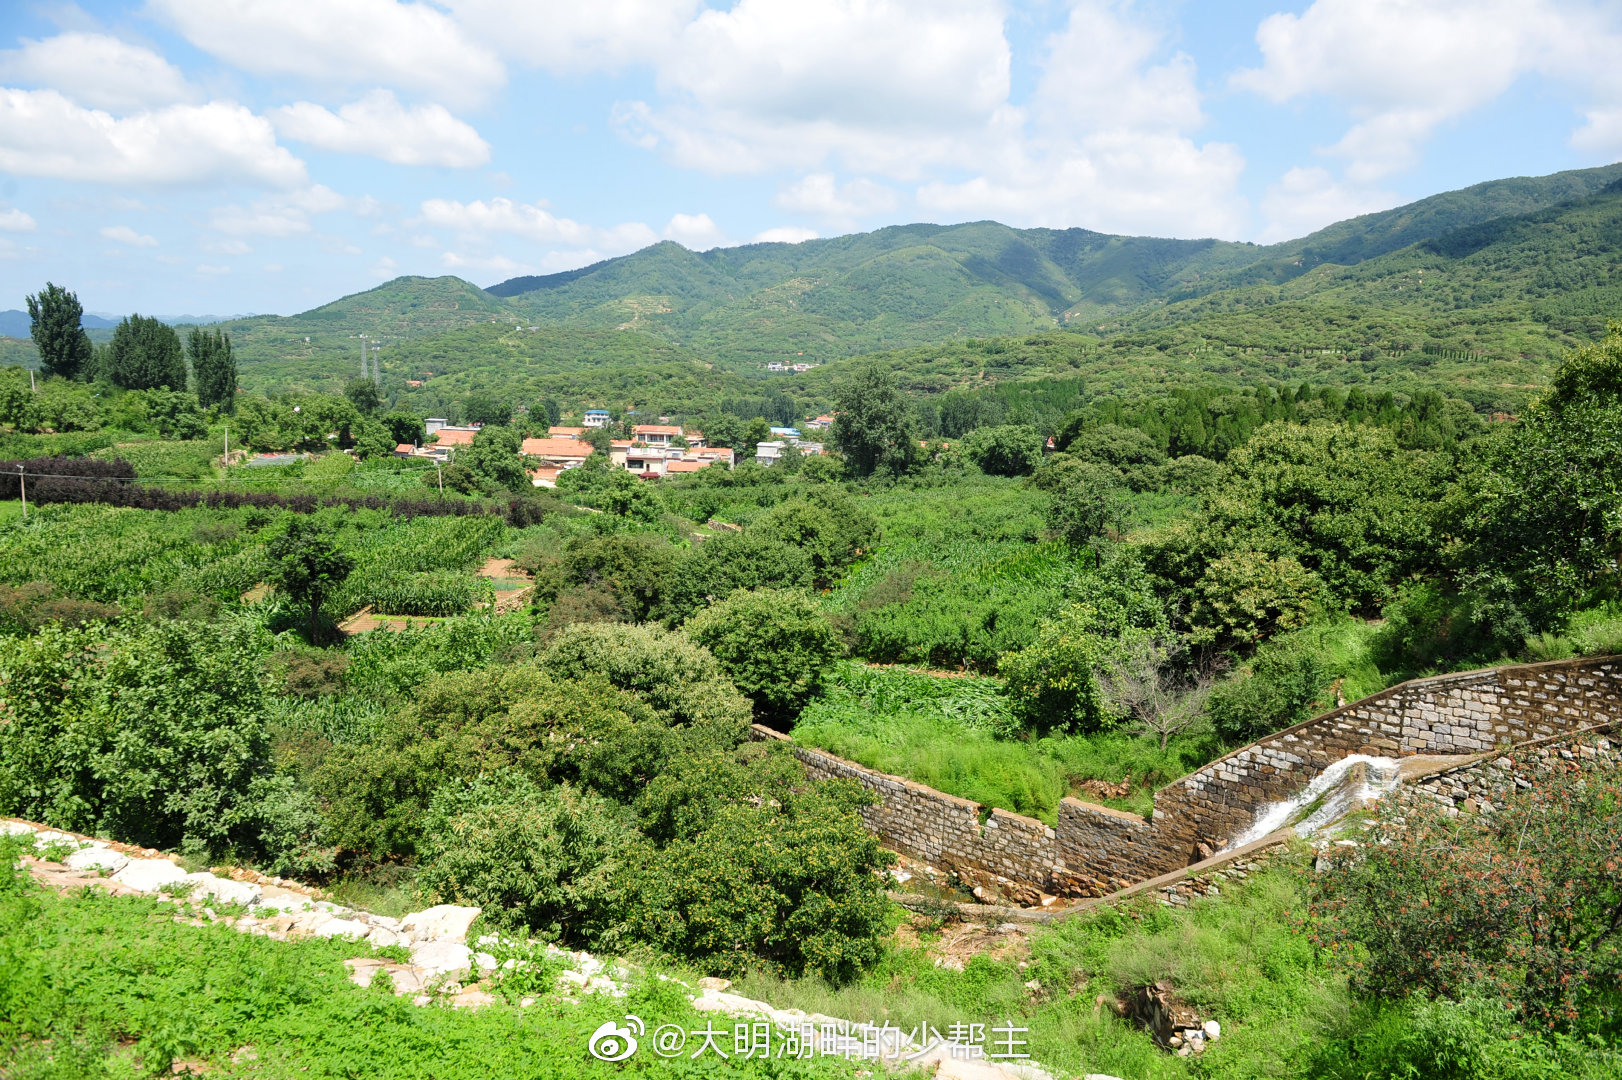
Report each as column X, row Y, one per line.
column 555, row 432
column 654, row 434
column 596, row 418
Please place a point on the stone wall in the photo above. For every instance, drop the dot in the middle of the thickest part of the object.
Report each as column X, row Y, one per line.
column 1483, row 786
column 1094, row 850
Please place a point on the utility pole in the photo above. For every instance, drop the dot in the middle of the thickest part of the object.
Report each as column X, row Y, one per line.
column 22, row 482
column 437, row 468
column 31, row 387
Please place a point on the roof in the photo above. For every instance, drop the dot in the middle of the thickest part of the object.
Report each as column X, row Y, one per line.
column 455, row 437
column 686, row 466
column 404, row 448
column 656, row 429
column 710, row 452
column 620, row 444
column 570, row 448
column 596, row 412
column 565, row 432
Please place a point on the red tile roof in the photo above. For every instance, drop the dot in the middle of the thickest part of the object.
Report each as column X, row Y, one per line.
column 655, row 429
column 565, row 432
column 455, row 438
column 569, row 448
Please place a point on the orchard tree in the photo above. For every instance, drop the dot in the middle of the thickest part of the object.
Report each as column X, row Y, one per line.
column 307, row 564
column 1085, row 498
column 486, row 410
column 873, row 425
column 214, row 368
column 145, row 354
column 493, row 459
column 53, row 323
column 775, row 644
column 364, row 395
column 1006, row 450
column 404, row 427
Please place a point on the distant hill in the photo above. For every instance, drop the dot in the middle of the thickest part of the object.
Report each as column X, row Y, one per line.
column 916, row 284
column 16, row 324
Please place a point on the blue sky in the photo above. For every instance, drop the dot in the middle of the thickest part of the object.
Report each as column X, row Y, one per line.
column 226, row 156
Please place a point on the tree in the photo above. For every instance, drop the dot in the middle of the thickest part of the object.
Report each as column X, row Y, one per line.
column 364, row 395
column 775, row 644
column 145, row 354
column 1085, row 498
column 307, row 564
column 53, row 323
column 214, row 368
column 494, row 460
column 1545, row 527
column 484, row 409
column 873, row 425
column 547, row 410
column 1007, row 450
column 1247, row 596
column 826, row 524
column 404, row 427
column 1282, row 687
column 1142, row 681
column 730, row 561
column 544, row 860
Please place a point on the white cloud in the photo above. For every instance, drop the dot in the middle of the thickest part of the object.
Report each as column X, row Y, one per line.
column 208, row 270
column 887, row 86
column 285, row 213
column 97, row 70
column 784, row 234
column 532, row 222
column 695, row 232
column 123, row 234
column 44, row 134
column 14, row 220
column 1403, row 68
column 1306, row 199
column 384, row 268
column 1106, row 142
column 379, row 126
column 567, row 36
column 226, row 247
column 1601, row 134
column 342, row 42
column 499, row 263
column 843, row 205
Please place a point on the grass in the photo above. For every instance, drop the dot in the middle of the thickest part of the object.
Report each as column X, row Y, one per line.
column 92, row 985
column 956, row 735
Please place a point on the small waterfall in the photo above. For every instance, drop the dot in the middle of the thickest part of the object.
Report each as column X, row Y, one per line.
column 1333, row 794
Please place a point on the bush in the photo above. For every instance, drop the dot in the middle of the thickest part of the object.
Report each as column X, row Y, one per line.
column 1282, row 688
column 1008, row 450
column 730, row 561
column 774, row 644
column 824, row 523
column 1522, row 905
column 1248, row 596
column 1084, row 499
column 546, row 860
column 784, row 876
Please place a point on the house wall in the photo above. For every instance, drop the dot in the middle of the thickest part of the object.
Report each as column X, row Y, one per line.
column 1094, row 850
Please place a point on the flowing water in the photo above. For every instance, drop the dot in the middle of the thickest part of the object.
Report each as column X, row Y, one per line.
column 1333, row 794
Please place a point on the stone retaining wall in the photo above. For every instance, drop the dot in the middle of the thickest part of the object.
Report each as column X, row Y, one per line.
column 1094, row 850
column 1482, row 787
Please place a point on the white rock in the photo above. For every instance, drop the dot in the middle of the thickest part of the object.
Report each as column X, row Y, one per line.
column 223, row 889
column 446, row 922
column 441, row 957
column 50, row 834
column 1213, row 1030
column 341, row 928
column 384, row 921
column 281, row 902
column 149, row 875
column 96, row 859
column 310, row 922
column 485, row 961
column 15, row 828
column 382, row 935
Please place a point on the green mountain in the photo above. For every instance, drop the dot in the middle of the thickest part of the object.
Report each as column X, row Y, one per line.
column 917, row 284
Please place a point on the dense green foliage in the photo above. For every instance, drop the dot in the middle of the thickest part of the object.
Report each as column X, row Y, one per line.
column 145, row 354
column 64, row 348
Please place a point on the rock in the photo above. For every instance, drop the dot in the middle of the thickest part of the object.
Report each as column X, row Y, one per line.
column 711, row 983
column 223, row 889
column 484, row 961
column 385, row 922
column 149, row 875
column 96, row 859
column 1048, row 899
column 441, row 957
column 1175, row 1040
column 49, row 835
column 309, row 922
column 1213, row 1030
column 342, row 928
column 382, row 936
column 15, row 828
column 1183, row 1051
column 281, row 902
column 446, row 922
column 1034, row 985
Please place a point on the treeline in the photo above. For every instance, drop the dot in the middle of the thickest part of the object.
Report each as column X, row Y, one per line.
column 112, row 483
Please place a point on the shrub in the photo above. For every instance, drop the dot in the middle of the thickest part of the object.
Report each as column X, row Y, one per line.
column 1523, row 905
column 764, row 869
column 1281, row 688
column 1007, row 450
column 774, row 644
column 548, row 860
column 730, row 561
column 1247, row 596
column 1084, row 498
column 826, row 524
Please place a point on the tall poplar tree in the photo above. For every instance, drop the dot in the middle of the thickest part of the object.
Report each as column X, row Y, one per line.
column 145, row 354
column 64, row 347
column 213, row 367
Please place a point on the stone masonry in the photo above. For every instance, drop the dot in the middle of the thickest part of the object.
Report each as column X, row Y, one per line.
column 1094, row 850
